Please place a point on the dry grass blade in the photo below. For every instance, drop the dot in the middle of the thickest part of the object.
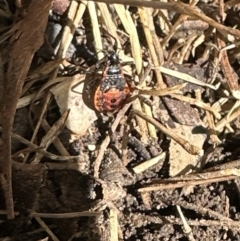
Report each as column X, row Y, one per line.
column 228, row 165
column 213, row 135
column 95, row 27
column 147, row 108
column 77, row 166
column 220, row 222
column 185, row 52
column 3, row 212
column 43, row 71
column 162, row 92
column 151, row 129
column 194, row 150
column 143, row 128
column 228, row 119
column 211, row 175
column 185, row 77
column 39, row 122
column 113, row 221
column 230, row 4
column 75, row 14
column 26, row 100
column 51, row 135
column 57, row 143
column 149, row 33
column 206, row 211
column 110, row 25
column 130, row 28
column 54, row 81
column 196, row 13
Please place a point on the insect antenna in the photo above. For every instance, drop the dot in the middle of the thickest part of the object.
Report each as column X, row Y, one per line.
column 115, row 45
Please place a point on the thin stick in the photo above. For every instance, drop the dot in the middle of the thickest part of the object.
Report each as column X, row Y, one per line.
column 57, row 143
column 39, row 122
column 158, row 187
column 65, row 215
column 194, row 150
column 186, row 227
column 46, row 228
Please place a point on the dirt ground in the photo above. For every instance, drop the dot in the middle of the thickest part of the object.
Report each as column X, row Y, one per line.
column 163, row 166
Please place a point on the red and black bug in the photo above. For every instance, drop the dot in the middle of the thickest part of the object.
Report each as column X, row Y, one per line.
column 109, row 92
column 113, row 91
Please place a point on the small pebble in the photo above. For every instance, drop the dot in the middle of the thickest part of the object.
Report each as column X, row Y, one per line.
column 91, row 147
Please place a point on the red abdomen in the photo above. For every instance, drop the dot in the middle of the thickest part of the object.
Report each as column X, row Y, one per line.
column 112, row 100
